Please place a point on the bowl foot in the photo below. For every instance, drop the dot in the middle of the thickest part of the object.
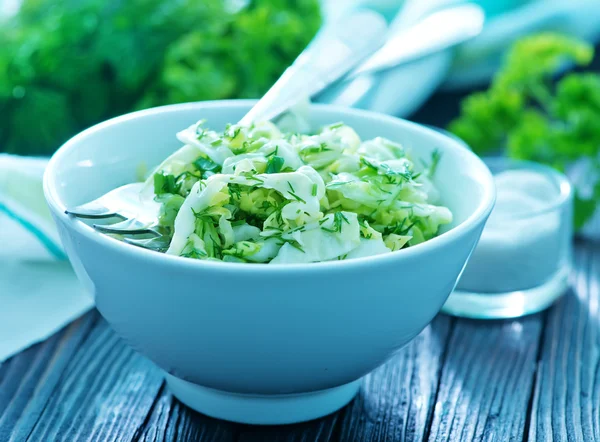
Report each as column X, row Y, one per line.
column 262, row 409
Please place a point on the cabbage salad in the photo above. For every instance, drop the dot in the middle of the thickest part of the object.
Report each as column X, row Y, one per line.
column 253, row 194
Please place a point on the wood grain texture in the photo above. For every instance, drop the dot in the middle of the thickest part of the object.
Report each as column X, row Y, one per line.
column 486, row 380
column 566, row 404
column 394, row 402
column 104, row 394
column 320, row 430
column 169, row 420
column 28, row 380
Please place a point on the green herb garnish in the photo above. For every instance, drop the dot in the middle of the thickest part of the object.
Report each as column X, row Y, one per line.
column 274, row 164
column 296, row 197
column 165, row 183
column 90, row 60
column 206, row 165
column 535, row 118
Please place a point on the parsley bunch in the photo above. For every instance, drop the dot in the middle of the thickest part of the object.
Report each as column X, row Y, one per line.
column 536, row 118
column 68, row 64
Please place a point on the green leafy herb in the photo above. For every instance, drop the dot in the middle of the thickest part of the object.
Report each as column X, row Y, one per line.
column 165, row 183
column 338, row 219
column 233, row 132
column 435, row 160
column 400, row 228
column 235, row 190
column 206, row 165
column 369, row 165
column 252, row 177
column 201, row 214
column 242, row 249
column 314, row 150
column 295, row 244
column 66, row 65
column 390, row 175
column 194, row 253
column 200, row 131
column 273, row 228
column 169, row 207
column 296, row 197
column 274, row 164
column 535, row 118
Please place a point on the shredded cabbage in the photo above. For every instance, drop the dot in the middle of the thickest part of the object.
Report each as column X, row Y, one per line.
column 253, row 194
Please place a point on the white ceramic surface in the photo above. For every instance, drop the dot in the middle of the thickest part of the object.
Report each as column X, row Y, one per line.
column 261, row 333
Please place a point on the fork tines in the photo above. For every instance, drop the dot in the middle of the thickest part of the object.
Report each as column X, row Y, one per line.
column 93, row 211
column 128, row 227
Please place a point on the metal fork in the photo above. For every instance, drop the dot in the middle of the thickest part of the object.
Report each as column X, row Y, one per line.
column 335, row 50
column 120, row 212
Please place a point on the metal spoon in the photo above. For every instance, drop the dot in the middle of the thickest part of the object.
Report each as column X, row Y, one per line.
column 438, row 31
column 337, row 48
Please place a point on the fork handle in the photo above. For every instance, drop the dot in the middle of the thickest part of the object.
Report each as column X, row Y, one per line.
column 336, row 49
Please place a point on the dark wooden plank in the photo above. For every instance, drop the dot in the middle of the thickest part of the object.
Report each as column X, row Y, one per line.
column 169, row 420
column 105, row 393
column 487, row 380
column 28, row 379
column 566, row 403
column 319, row 430
column 395, row 399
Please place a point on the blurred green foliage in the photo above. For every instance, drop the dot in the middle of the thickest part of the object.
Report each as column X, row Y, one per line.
column 538, row 117
column 67, row 64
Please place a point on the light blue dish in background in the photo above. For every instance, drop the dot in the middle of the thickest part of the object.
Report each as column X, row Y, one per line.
column 261, row 344
column 402, row 90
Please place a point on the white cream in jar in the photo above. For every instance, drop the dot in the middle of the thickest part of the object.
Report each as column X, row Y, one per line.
column 527, row 239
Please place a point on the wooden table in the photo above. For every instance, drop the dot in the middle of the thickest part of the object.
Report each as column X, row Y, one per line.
column 535, row 378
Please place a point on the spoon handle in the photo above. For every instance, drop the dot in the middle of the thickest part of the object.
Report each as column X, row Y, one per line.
column 336, row 49
column 439, row 31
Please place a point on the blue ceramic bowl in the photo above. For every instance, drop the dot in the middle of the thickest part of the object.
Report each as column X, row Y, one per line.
column 261, row 343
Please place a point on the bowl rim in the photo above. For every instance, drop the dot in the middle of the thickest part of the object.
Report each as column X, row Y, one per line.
column 482, row 211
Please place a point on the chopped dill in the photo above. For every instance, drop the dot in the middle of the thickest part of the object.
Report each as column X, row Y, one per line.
column 296, row 197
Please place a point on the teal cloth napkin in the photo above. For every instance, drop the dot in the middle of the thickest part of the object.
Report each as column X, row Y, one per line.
column 39, row 292
column 26, row 228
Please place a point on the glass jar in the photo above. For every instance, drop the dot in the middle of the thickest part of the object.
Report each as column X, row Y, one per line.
column 522, row 261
